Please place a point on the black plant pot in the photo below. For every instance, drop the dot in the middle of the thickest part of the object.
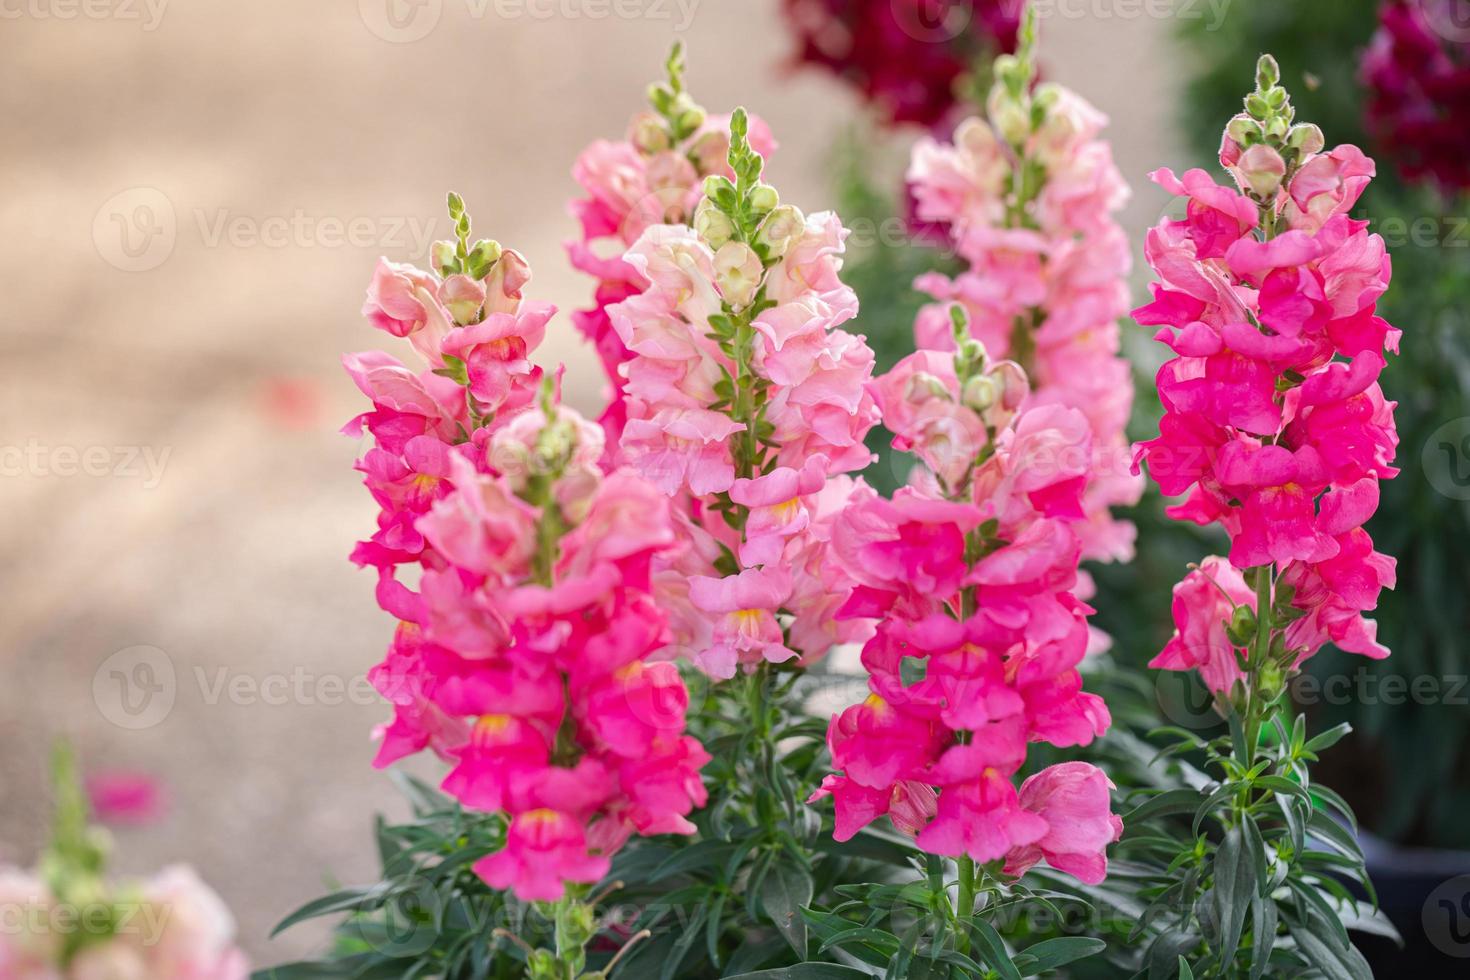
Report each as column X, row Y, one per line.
column 1427, row 895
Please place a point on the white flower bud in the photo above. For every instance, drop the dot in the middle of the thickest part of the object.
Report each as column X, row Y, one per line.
column 712, row 224
column 764, row 198
column 738, row 273
column 649, row 133
column 980, row 392
column 781, row 227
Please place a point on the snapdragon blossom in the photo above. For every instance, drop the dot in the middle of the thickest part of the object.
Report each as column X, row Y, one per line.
column 1029, row 197
column 970, row 572
column 171, row 926
column 1275, row 427
column 653, row 176
column 1417, row 70
column 747, row 405
column 523, row 657
column 909, row 58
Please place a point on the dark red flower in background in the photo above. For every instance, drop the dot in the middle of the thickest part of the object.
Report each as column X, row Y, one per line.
column 905, row 56
column 1417, row 70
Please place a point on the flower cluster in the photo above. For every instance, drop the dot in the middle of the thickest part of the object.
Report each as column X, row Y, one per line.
column 909, row 58
column 1028, row 198
column 971, row 570
column 1275, row 425
column 651, row 177
column 169, row 927
column 1417, row 69
column 747, row 405
column 523, row 657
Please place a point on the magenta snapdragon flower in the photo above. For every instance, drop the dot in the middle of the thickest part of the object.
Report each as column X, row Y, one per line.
column 970, row 573
column 523, row 656
column 908, row 58
column 1275, row 426
column 1417, row 70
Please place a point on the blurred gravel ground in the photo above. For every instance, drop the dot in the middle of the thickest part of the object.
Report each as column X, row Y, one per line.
column 222, row 362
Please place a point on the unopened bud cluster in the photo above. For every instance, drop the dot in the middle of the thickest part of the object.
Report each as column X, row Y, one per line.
column 1264, row 146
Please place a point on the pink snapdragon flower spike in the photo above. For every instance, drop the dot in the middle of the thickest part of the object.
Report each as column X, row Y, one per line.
column 747, row 403
column 523, row 658
column 1275, row 426
column 653, row 176
column 971, row 574
column 178, row 928
column 1029, row 196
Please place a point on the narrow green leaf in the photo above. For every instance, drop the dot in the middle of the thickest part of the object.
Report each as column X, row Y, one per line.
column 994, row 949
column 1234, row 886
column 1049, row 954
column 786, row 890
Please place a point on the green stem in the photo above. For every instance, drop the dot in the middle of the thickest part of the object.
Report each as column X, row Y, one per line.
column 1259, row 655
column 966, row 903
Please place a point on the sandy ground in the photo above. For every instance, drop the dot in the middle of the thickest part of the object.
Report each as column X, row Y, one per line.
column 176, row 507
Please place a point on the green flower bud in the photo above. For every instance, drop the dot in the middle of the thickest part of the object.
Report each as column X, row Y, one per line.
column 1242, row 628
column 980, row 392
column 442, row 256
column 1257, row 106
column 1306, row 138
column 717, row 186
column 482, row 258
column 781, row 227
column 649, row 133
column 1243, row 130
column 1268, row 72
column 713, row 225
column 764, row 198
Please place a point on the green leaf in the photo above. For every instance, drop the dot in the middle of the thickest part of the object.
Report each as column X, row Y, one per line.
column 1334, row 835
column 1280, row 784
column 1263, row 939
column 1234, row 886
column 707, row 854
column 714, row 925
column 785, row 891
column 994, row 949
column 1172, row 801
column 807, row 971
column 1223, row 791
column 1316, row 944
column 1050, row 954
column 1185, row 973
column 349, row 900
column 1328, row 739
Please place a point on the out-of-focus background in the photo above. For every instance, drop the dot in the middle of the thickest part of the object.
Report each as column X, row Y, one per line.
column 195, row 192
